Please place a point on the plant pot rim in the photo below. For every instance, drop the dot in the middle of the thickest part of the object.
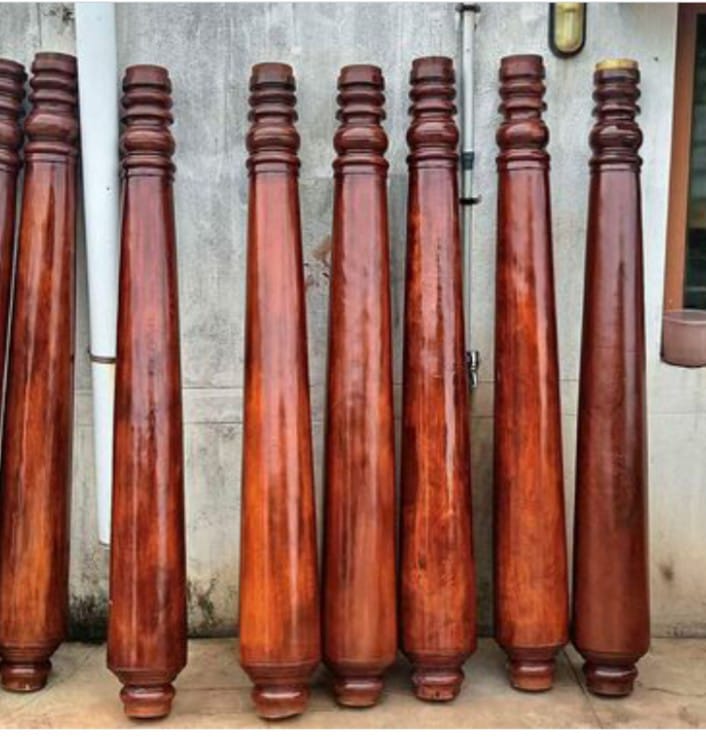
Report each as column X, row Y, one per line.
column 691, row 317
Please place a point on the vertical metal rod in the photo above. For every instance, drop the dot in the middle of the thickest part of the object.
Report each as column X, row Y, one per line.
column 468, row 23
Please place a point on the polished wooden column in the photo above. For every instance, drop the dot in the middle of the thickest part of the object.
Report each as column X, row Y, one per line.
column 360, row 620
column 611, row 618
column 147, row 619
column 438, row 620
column 531, row 585
column 35, row 482
column 12, row 81
column 279, row 598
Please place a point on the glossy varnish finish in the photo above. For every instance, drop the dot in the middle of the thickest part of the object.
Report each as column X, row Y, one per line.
column 279, row 598
column 437, row 573
column 611, row 626
column 12, row 80
column 360, row 633
column 35, row 483
column 531, row 586
column 147, row 618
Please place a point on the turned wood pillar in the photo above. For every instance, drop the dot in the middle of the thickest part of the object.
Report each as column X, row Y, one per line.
column 438, row 620
column 35, row 481
column 531, row 586
column 611, row 619
column 360, row 623
column 12, row 81
column 279, row 599
column 147, row 619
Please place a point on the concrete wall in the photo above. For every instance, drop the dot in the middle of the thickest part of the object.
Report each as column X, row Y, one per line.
column 209, row 49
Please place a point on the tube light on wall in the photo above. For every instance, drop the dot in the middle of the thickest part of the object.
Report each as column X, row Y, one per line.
column 567, row 28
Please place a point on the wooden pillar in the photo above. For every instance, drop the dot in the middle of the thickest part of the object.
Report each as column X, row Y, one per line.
column 438, row 620
column 12, row 81
column 279, row 599
column 35, row 483
column 360, row 625
column 531, row 586
column 611, row 619
column 147, row 621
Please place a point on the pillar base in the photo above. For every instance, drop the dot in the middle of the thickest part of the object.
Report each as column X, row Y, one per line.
column 357, row 690
column 146, row 693
column 531, row 676
column 280, row 701
column 147, row 701
column 531, row 669
column 612, row 680
column 24, row 676
column 439, row 679
column 281, row 690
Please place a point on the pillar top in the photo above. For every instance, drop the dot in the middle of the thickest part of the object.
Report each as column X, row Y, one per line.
column 58, row 61
column 361, row 75
column 147, row 75
column 616, row 137
column 12, row 83
column 52, row 123
column 12, row 69
column 272, row 140
column 272, row 73
column 522, row 64
column 146, row 144
column 522, row 135
column 432, row 68
column 432, row 135
column 360, row 140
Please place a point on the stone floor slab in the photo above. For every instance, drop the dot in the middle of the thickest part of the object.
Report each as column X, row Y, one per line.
column 214, row 692
column 670, row 691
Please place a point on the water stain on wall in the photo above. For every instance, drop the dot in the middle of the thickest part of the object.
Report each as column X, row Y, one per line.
column 88, row 617
column 202, row 601
column 667, row 571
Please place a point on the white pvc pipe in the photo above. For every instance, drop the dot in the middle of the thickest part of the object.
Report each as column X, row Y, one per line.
column 98, row 99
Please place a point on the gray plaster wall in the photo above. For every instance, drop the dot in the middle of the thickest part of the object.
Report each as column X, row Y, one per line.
column 209, row 50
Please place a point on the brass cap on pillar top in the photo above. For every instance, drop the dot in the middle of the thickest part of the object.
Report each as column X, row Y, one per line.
column 617, row 63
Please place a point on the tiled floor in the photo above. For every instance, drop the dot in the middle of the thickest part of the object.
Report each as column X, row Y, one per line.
column 214, row 692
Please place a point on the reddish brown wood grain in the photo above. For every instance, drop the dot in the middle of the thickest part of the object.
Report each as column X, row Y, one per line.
column 438, row 621
column 35, row 482
column 147, row 620
column 611, row 623
column 280, row 642
column 360, row 621
column 531, row 587
column 12, row 80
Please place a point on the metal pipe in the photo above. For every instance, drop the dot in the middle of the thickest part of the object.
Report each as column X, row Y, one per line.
column 468, row 14
column 98, row 94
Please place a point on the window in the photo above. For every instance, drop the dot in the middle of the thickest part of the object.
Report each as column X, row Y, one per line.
column 684, row 320
column 685, row 285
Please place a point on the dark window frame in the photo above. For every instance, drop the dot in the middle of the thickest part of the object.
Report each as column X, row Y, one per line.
column 680, row 171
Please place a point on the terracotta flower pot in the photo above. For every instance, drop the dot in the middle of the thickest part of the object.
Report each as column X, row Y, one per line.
column 684, row 337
